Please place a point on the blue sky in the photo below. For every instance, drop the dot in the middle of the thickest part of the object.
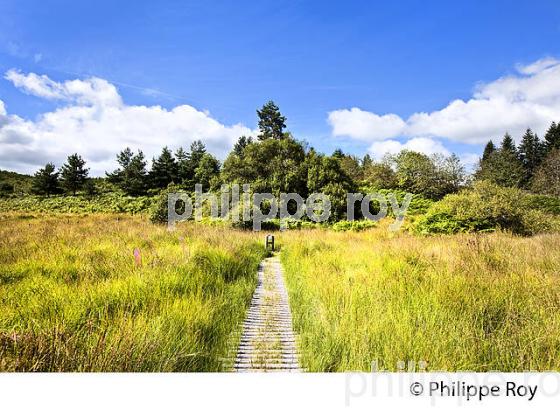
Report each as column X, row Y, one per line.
column 226, row 58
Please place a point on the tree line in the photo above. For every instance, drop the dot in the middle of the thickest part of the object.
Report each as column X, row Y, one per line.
column 277, row 162
column 533, row 165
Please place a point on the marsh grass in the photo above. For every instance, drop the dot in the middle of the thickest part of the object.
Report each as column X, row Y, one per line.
column 72, row 297
column 464, row 302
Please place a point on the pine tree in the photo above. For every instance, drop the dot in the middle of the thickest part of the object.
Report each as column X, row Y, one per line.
column 501, row 166
column 184, row 174
column 271, row 122
column 198, row 149
column 530, row 154
column 489, row 149
column 73, row 174
column 507, row 168
column 132, row 176
column 508, row 146
column 338, row 154
column 552, row 138
column 164, row 170
column 207, row 171
column 241, row 144
column 367, row 161
column 45, row 181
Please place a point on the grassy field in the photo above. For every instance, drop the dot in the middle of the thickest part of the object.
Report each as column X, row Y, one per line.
column 74, row 298
column 463, row 302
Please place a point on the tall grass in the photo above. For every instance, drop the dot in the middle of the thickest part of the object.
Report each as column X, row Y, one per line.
column 463, row 302
column 73, row 298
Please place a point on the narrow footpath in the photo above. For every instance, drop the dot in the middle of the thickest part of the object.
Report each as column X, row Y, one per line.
column 268, row 342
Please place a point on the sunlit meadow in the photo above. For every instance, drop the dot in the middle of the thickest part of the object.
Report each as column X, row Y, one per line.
column 73, row 297
column 463, row 302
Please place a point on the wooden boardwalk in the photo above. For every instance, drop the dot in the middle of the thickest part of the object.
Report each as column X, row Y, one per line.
column 267, row 341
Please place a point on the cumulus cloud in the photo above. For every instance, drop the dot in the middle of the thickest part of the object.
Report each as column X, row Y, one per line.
column 364, row 125
column 95, row 122
column 425, row 145
column 537, row 66
column 92, row 91
column 530, row 98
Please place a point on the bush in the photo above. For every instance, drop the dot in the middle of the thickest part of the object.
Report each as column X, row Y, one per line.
column 418, row 205
column 488, row 207
column 544, row 203
column 79, row 204
column 158, row 210
column 360, row 225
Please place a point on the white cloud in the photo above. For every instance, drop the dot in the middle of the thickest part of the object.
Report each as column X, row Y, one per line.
column 513, row 103
column 92, row 91
column 537, row 66
column 364, row 125
column 96, row 123
column 424, row 145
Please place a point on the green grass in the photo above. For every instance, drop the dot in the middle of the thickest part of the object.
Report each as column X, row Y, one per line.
column 111, row 202
column 463, row 302
column 72, row 297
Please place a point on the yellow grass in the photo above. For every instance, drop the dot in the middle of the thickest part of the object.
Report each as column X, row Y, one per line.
column 73, row 297
column 464, row 302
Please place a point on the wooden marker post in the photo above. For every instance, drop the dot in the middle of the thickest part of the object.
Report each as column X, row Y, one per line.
column 269, row 241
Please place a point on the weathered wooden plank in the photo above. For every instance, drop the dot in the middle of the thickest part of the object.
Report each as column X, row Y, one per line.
column 267, row 340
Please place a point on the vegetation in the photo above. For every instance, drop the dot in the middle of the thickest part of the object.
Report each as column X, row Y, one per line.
column 531, row 166
column 112, row 202
column 84, row 292
column 547, row 177
column 12, row 183
column 75, row 297
column 74, row 174
column 46, row 181
column 467, row 302
column 276, row 162
column 131, row 177
column 488, row 207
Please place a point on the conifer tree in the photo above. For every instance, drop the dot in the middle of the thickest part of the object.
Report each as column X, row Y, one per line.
column 271, row 122
column 73, row 174
column 489, row 149
column 367, row 161
column 552, row 138
column 530, row 153
column 131, row 177
column 45, row 181
column 241, row 144
column 184, row 174
column 164, row 170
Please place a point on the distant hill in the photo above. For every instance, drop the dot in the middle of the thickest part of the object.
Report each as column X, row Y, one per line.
column 12, row 182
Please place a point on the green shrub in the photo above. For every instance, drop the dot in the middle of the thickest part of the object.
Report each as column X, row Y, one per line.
column 418, row 205
column 488, row 207
column 80, row 204
column 159, row 209
column 360, row 225
column 544, row 203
